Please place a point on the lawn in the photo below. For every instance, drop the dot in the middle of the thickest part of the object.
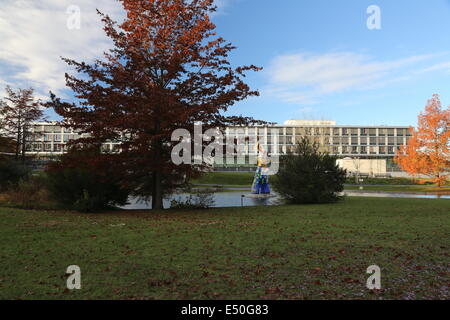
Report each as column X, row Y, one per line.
column 246, row 178
column 287, row 252
column 408, row 189
column 226, row 178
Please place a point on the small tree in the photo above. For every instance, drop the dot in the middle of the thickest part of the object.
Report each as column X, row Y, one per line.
column 17, row 112
column 309, row 175
column 428, row 150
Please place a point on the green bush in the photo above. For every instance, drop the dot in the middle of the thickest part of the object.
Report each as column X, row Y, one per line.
column 30, row 193
column 309, row 176
column 11, row 173
column 196, row 200
column 75, row 184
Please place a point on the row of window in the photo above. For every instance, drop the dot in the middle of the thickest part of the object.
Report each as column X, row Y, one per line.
column 322, row 131
column 271, row 149
column 58, row 147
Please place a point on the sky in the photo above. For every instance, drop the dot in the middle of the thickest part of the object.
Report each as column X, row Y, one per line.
column 321, row 60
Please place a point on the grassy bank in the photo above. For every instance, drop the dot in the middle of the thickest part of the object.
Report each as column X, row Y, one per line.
column 288, row 252
column 246, row 178
column 226, row 178
column 408, row 189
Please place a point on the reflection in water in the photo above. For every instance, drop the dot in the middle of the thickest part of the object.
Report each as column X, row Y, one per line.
column 235, row 199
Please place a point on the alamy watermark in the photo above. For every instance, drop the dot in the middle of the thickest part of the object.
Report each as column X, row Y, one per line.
column 236, row 147
column 74, row 279
column 374, row 20
column 374, row 281
column 74, row 18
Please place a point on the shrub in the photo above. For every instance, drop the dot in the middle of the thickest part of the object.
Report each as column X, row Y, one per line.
column 77, row 185
column 309, row 175
column 29, row 193
column 197, row 200
column 11, row 173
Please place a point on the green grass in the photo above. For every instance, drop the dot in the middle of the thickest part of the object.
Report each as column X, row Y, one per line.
column 409, row 189
column 287, row 252
column 246, row 178
column 226, row 178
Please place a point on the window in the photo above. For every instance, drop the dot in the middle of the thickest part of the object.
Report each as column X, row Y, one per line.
column 317, row 131
column 354, row 131
column 363, row 140
column 363, row 149
column 391, row 141
column 364, row 132
column 382, row 132
column 372, row 132
column 336, row 131
column 344, row 140
column 399, row 140
column 354, row 140
column 381, row 140
column 390, row 132
column 345, row 131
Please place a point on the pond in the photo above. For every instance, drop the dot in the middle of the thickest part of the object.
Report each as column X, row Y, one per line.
column 245, row 199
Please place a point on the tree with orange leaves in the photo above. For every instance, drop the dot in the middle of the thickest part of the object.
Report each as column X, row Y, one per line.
column 428, row 151
column 168, row 70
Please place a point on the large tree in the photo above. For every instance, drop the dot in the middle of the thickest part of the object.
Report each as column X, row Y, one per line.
column 428, row 150
column 17, row 112
column 168, row 70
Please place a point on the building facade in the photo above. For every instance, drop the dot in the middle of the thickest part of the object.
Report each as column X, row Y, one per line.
column 364, row 142
column 49, row 139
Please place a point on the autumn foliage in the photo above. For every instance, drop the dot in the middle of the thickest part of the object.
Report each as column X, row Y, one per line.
column 428, row 151
column 168, row 70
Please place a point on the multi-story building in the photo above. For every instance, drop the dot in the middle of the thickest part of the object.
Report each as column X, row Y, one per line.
column 49, row 139
column 364, row 142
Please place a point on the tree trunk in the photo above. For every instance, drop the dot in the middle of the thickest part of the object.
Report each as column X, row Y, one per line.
column 23, row 146
column 18, row 139
column 157, row 196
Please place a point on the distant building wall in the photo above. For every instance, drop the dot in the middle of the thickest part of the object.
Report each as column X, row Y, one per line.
column 371, row 167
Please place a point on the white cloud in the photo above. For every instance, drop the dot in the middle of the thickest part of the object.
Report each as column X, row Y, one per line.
column 444, row 66
column 35, row 35
column 303, row 78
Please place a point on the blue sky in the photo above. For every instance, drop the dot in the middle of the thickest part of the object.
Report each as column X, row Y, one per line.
column 320, row 60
